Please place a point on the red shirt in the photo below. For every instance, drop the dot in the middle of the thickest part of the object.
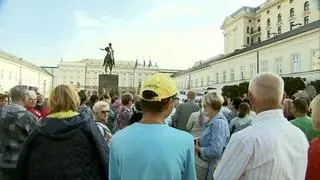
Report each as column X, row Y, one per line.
column 313, row 170
column 34, row 111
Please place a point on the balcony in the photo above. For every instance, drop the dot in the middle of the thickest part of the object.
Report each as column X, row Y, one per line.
column 255, row 33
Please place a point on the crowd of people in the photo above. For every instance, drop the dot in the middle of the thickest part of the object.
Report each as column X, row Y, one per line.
column 77, row 135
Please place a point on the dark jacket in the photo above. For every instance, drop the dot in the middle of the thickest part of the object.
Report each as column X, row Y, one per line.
column 69, row 148
column 16, row 124
column 181, row 116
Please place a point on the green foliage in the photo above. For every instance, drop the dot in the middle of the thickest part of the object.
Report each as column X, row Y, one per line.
column 316, row 84
column 293, row 84
column 243, row 88
column 230, row 91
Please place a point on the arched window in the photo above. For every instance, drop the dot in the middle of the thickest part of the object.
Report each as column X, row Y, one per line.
column 291, row 12
column 306, row 6
column 259, row 29
column 279, row 17
column 268, row 22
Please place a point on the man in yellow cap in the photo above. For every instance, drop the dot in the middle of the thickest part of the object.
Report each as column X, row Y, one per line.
column 150, row 149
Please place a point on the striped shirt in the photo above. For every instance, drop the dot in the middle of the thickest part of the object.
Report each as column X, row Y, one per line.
column 272, row 148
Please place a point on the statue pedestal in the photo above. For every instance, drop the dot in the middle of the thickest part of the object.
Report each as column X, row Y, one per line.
column 109, row 82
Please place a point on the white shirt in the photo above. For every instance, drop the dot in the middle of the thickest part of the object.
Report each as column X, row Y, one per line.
column 270, row 149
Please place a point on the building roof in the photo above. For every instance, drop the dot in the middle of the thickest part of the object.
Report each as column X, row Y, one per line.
column 302, row 29
column 21, row 62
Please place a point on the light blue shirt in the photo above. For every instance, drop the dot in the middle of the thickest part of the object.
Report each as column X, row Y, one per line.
column 213, row 140
column 151, row 152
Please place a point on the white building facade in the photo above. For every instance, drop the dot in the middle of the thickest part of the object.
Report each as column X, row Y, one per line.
column 84, row 74
column 249, row 26
column 293, row 53
column 16, row 71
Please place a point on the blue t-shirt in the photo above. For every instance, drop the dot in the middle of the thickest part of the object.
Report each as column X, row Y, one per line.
column 151, row 152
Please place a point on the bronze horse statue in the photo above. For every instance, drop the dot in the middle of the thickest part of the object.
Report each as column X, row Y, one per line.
column 108, row 59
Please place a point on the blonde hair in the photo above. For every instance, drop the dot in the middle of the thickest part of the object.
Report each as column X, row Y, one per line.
column 212, row 100
column 98, row 105
column 288, row 105
column 63, row 98
column 315, row 106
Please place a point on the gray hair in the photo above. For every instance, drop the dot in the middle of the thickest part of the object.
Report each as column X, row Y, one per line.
column 267, row 87
column 18, row 93
column 32, row 94
column 98, row 105
column 213, row 100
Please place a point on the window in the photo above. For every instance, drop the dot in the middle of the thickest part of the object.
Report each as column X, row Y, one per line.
column 264, row 66
column 258, row 20
column 251, row 41
column 278, row 62
column 315, row 58
column 306, row 6
column 253, row 69
column 291, row 12
column 196, row 83
column 251, row 30
column 249, row 20
column 248, row 40
column 295, row 60
column 259, row 39
column 291, row 1
column 279, row 6
column 232, row 74
column 268, row 11
column 306, row 20
column 242, row 72
column 1, row 74
column 208, row 80
column 224, row 76
column 268, row 34
column 268, row 22
column 279, row 18
column 201, row 81
column 16, row 77
column 291, row 25
column 217, row 78
column 248, row 30
column 259, row 29
column 279, row 30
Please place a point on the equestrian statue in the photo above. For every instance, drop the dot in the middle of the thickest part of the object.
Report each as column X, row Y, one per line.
column 109, row 58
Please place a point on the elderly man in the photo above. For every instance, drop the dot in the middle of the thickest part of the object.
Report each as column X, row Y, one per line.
column 31, row 104
column 16, row 124
column 272, row 148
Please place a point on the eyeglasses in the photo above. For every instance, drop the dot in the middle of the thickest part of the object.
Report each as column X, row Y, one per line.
column 105, row 112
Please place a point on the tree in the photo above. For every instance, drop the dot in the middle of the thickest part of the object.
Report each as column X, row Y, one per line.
column 316, row 84
column 243, row 88
column 230, row 91
column 293, row 84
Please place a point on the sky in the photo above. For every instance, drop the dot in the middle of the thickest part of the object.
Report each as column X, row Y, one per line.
column 173, row 33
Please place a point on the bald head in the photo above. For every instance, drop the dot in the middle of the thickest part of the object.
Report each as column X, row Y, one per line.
column 267, row 88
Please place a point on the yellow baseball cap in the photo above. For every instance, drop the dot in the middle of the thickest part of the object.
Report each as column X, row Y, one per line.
column 163, row 85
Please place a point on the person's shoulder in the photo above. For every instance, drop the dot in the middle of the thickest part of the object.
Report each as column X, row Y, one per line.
column 179, row 134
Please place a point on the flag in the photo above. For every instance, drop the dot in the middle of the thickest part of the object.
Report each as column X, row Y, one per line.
column 136, row 65
column 144, row 63
column 61, row 59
